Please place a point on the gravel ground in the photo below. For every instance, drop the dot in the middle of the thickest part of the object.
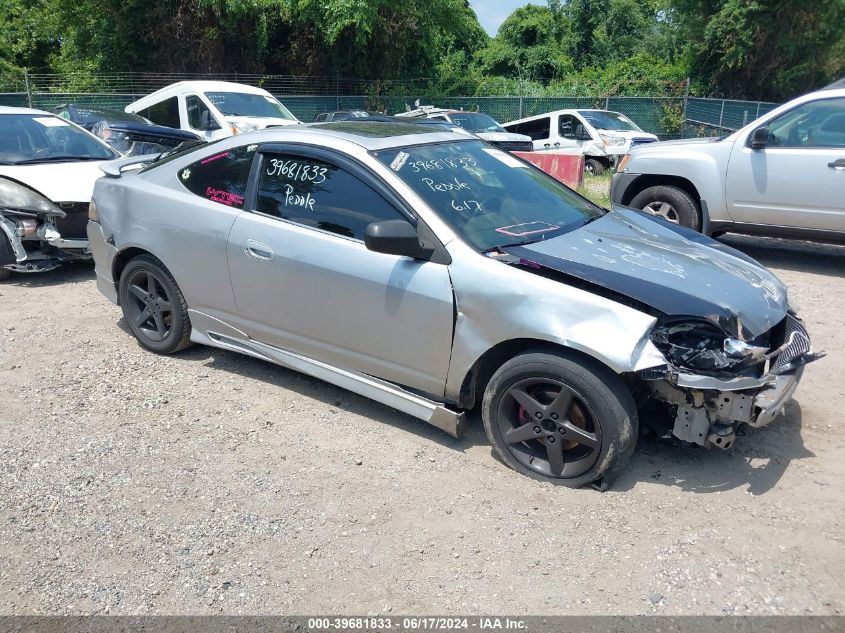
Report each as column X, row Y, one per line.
column 210, row 482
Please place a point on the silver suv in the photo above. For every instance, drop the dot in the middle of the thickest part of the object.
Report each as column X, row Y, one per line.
column 437, row 274
column 783, row 174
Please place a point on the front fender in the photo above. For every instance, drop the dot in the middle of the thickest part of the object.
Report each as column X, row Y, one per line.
column 496, row 303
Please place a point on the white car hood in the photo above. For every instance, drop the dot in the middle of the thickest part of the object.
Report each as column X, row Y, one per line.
column 626, row 134
column 502, row 136
column 261, row 122
column 60, row 182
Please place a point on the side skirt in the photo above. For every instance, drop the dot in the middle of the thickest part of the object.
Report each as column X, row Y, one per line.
column 218, row 334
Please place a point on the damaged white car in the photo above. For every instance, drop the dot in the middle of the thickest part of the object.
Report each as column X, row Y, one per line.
column 47, row 171
column 439, row 274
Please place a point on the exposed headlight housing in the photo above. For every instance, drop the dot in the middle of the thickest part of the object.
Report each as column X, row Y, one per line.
column 239, row 127
column 702, row 347
column 115, row 138
column 614, row 141
column 16, row 197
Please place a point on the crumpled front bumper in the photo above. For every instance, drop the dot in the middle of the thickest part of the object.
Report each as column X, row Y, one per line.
column 709, row 411
column 770, row 402
column 38, row 246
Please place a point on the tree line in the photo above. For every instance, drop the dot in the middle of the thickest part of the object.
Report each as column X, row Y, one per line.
column 744, row 49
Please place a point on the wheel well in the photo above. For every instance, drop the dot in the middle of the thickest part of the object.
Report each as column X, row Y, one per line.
column 120, row 261
column 475, row 382
column 644, row 182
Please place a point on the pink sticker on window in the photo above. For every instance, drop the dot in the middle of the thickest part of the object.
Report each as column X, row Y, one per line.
column 527, row 228
column 224, row 197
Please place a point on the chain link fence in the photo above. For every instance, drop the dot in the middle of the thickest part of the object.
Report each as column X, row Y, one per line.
column 671, row 116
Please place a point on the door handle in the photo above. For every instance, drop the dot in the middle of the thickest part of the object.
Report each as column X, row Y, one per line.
column 546, row 145
column 557, row 144
column 838, row 165
column 258, row 250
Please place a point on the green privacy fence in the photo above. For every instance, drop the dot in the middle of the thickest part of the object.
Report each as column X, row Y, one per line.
column 667, row 116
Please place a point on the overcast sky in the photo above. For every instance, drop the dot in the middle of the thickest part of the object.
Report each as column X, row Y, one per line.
column 491, row 13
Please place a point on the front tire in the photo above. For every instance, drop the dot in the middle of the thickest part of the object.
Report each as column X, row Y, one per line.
column 6, row 255
column 670, row 203
column 153, row 306
column 593, row 167
column 560, row 419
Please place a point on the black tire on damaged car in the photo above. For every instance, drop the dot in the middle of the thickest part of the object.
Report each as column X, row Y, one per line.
column 146, row 273
column 670, row 202
column 600, row 410
column 6, row 255
column 593, row 166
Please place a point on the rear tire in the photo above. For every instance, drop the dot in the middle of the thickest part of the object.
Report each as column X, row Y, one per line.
column 153, row 306
column 593, row 167
column 671, row 203
column 565, row 420
column 5, row 273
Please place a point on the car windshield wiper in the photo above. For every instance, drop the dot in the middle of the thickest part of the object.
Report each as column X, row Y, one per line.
column 524, row 242
column 54, row 159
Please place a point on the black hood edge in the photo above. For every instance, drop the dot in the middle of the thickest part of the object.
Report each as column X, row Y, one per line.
column 651, row 298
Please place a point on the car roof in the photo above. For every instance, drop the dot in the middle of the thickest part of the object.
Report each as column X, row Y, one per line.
column 537, row 116
column 14, row 110
column 197, row 86
column 370, row 135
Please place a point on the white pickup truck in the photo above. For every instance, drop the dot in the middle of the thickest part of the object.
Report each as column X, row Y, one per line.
column 783, row 174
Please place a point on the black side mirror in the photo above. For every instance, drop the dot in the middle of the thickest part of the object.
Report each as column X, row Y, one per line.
column 759, row 138
column 393, row 237
column 581, row 134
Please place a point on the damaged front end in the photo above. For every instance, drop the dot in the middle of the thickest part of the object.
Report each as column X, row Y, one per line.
column 715, row 383
column 37, row 234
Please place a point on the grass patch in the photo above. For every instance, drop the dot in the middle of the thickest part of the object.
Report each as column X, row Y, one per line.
column 597, row 188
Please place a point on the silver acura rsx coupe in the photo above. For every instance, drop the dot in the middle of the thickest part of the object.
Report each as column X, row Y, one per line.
column 434, row 273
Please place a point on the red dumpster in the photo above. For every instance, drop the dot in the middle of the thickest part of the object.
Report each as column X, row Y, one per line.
column 567, row 168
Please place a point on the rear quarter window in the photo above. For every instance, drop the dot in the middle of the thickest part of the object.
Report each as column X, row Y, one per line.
column 220, row 177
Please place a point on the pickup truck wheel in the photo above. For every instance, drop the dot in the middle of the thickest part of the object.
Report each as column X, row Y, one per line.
column 670, row 203
column 5, row 273
column 561, row 420
column 593, row 167
column 153, row 306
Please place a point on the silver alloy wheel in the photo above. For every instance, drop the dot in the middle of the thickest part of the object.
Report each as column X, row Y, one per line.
column 664, row 210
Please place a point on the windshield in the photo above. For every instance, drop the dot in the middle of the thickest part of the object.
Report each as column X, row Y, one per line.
column 42, row 138
column 489, row 197
column 246, row 104
column 604, row 120
column 476, row 122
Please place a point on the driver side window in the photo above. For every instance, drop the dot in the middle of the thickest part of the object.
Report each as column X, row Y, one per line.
column 568, row 125
column 819, row 124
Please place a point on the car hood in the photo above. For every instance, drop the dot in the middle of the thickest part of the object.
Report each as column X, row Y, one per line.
column 681, row 142
column 502, row 136
column 627, row 134
column 159, row 131
column 671, row 269
column 59, row 182
column 262, row 122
